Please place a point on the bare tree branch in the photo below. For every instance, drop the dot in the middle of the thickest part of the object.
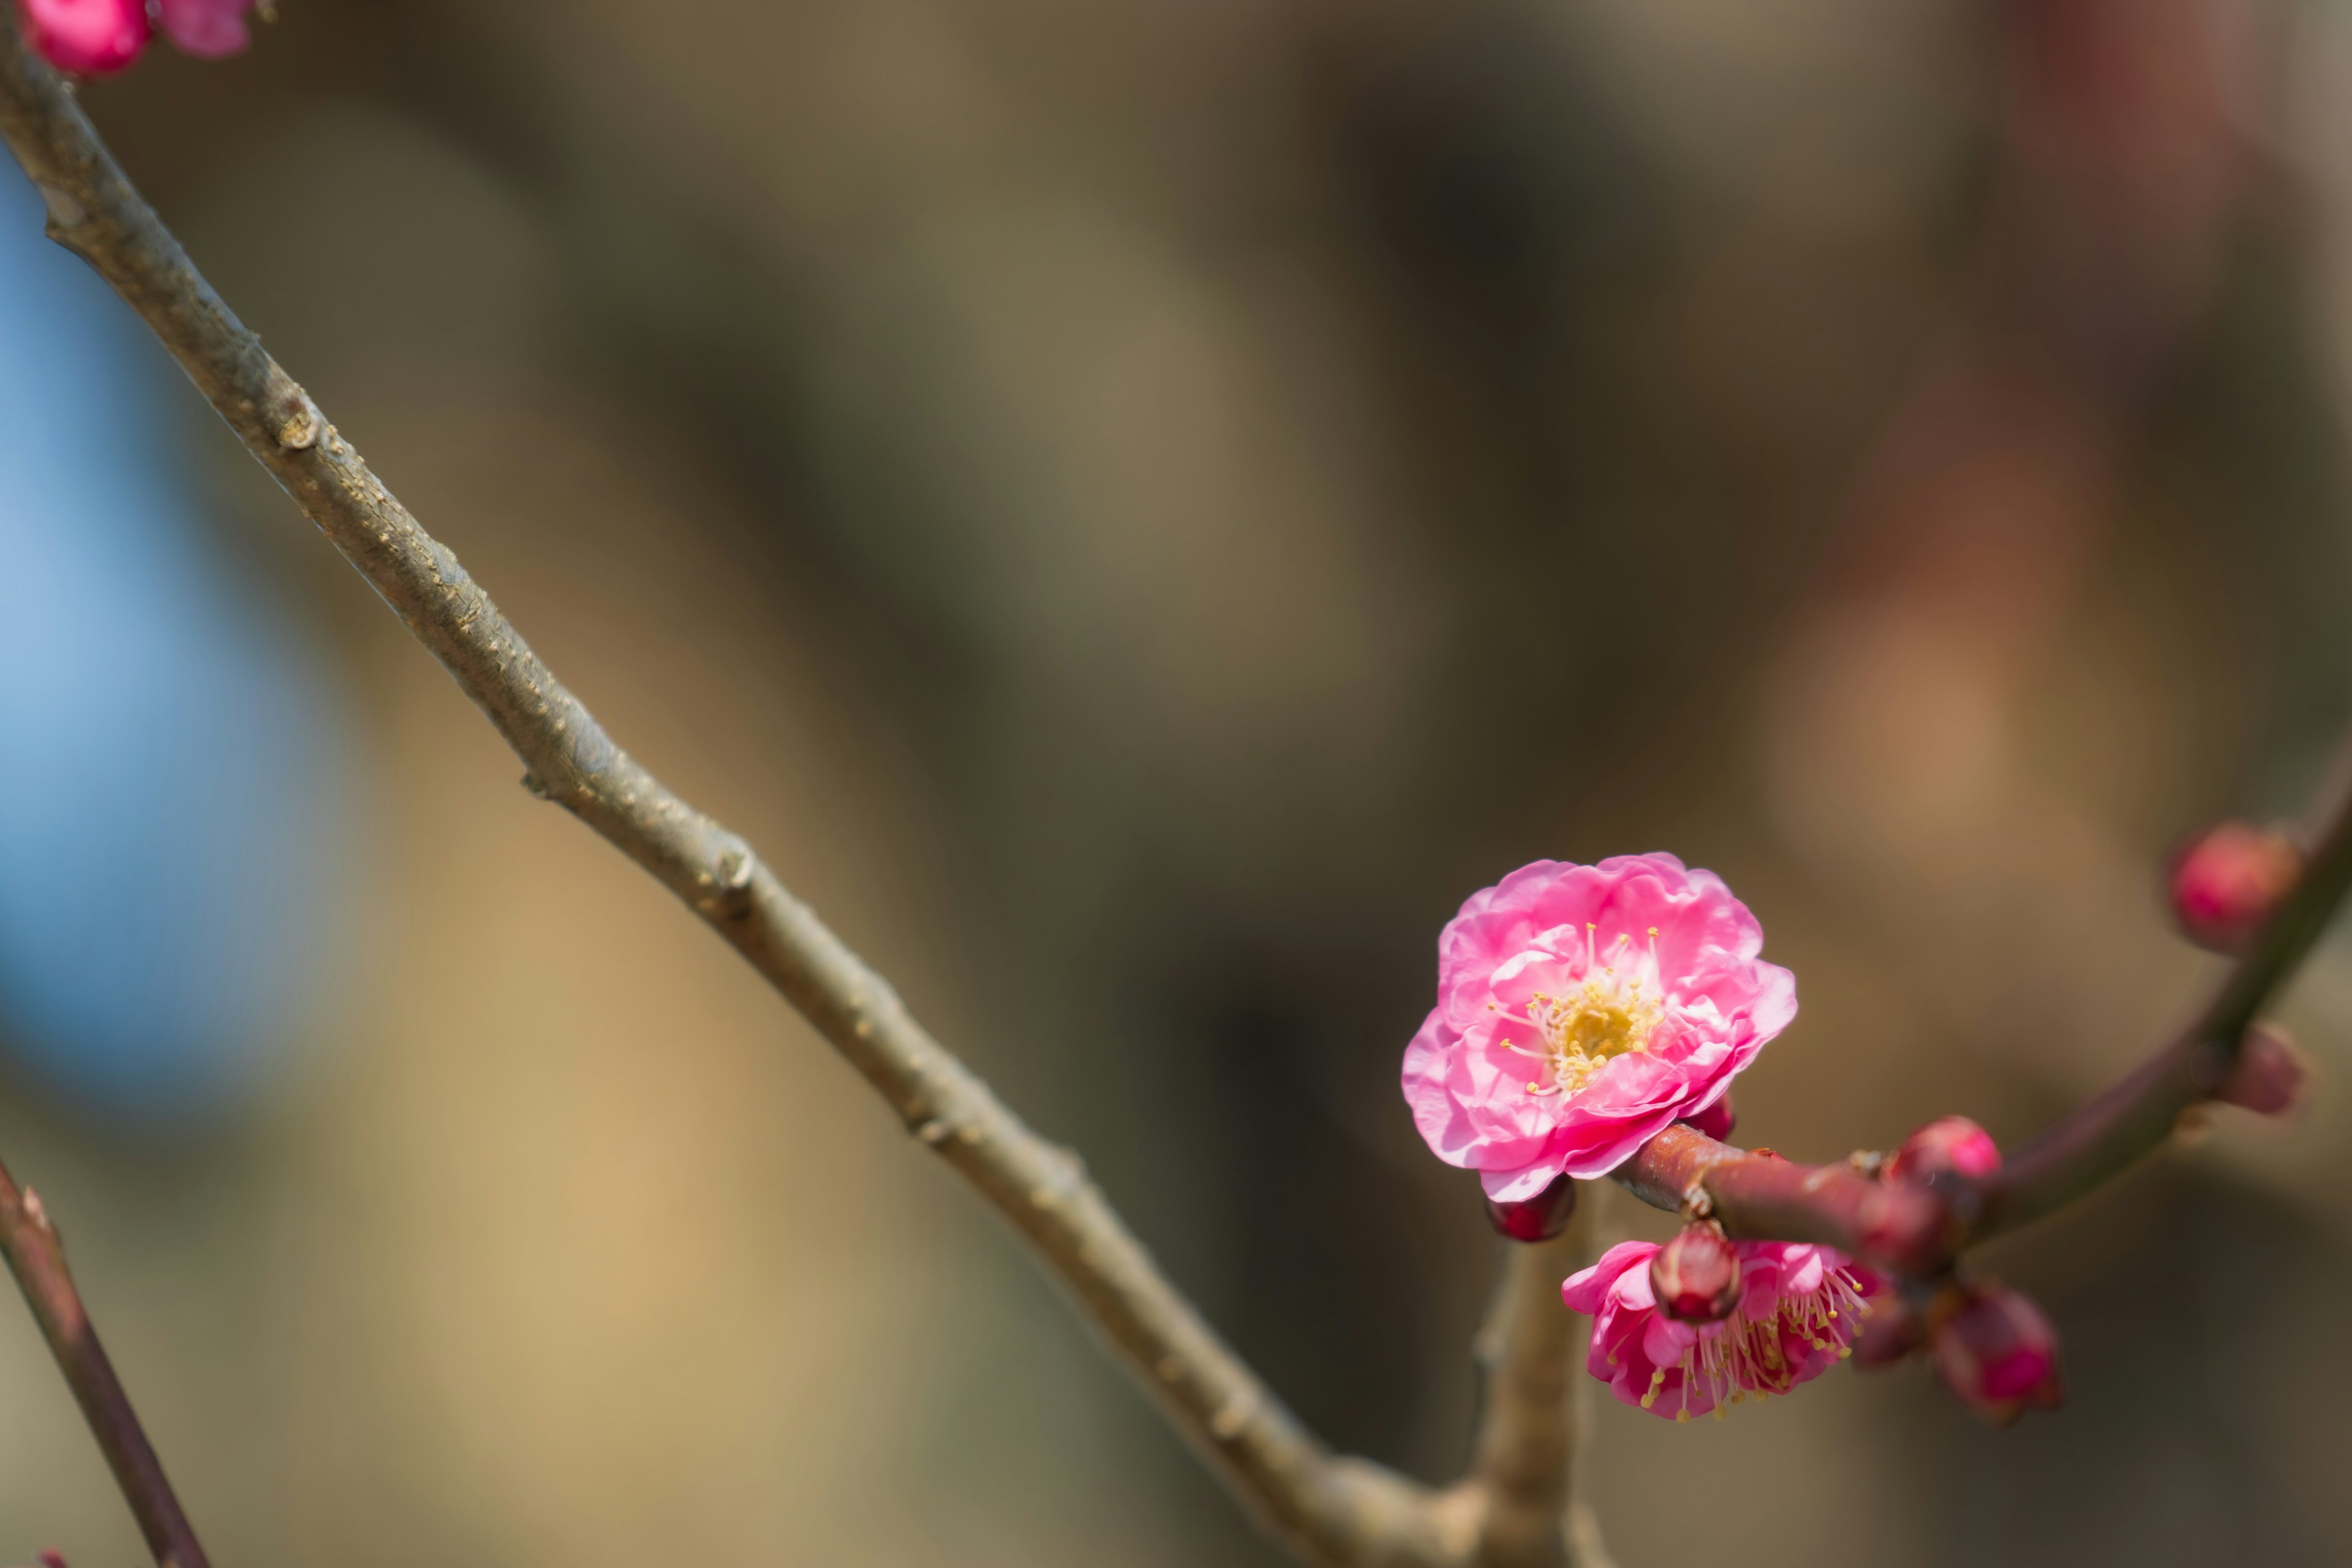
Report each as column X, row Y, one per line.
column 36, row 1258
column 1331, row 1509
column 1919, row 1229
column 1524, row 1471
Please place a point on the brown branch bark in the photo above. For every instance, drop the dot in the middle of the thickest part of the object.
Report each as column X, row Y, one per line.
column 1523, row 1477
column 36, row 1258
column 1920, row 1229
column 1330, row 1509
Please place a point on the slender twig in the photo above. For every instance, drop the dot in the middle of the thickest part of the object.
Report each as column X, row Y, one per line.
column 1919, row 1229
column 1523, row 1474
column 36, row 1258
column 1331, row 1509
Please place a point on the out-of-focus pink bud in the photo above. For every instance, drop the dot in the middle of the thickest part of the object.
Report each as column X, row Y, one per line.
column 1997, row 1354
column 1953, row 1145
column 1694, row 1277
column 1716, row 1121
column 2268, row 1075
column 207, row 29
column 1539, row 1218
column 2225, row 884
column 88, row 38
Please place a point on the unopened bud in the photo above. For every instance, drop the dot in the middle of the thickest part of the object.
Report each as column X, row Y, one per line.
column 2225, row 884
column 1539, row 1218
column 1997, row 1354
column 1695, row 1276
column 1716, row 1121
column 1953, row 1145
column 2268, row 1075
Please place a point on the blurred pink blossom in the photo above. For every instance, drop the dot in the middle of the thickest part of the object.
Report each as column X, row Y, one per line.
column 88, row 38
column 1800, row 1308
column 1581, row 1009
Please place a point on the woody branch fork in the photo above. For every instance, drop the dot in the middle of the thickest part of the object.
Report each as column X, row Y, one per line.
column 1514, row 1506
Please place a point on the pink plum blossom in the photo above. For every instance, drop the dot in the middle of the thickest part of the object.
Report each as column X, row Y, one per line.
column 1582, row 1009
column 88, row 38
column 1800, row 1308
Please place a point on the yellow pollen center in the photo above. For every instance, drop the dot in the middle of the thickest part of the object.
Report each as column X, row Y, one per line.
column 1607, row 1016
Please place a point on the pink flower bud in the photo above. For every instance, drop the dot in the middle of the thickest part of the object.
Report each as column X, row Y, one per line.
column 1716, row 1121
column 1952, row 1145
column 2225, row 884
column 2268, row 1075
column 1539, row 1218
column 1695, row 1276
column 88, row 38
column 207, row 29
column 1999, row 1354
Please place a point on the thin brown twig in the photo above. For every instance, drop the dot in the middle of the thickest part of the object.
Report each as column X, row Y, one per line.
column 36, row 1258
column 1918, row 1229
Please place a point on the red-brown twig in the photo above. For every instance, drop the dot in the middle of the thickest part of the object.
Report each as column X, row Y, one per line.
column 36, row 1258
column 1918, row 1229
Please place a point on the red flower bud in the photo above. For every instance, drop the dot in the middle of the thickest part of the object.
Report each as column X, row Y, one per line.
column 1716, row 1121
column 1999, row 1354
column 1539, row 1218
column 2268, row 1075
column 1695, row 1276
column 2225, row 884
column 1954, row 1145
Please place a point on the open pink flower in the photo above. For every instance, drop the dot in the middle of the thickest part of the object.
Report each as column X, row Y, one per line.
column 88, row 38
column 1800, row 1308
column 1580, row 1010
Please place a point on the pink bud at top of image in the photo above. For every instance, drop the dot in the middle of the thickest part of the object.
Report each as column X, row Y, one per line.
column 2268, row 1075
column 1539, row 1218
column 1580, row 1011
column 2225, row 884
column 1997, row 1354
column 1800, row 1307
column 1715, row 1120
column 207, row 29
column 1949, row 1145
column 87, row 38
column 1694, row 1277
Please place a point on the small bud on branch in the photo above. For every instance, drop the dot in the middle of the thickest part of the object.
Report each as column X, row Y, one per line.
column 1695, row 1276
column 1539, row 1218
column 2225, row 884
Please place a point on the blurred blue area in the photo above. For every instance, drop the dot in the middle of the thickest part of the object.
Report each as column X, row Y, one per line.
column 173, row 773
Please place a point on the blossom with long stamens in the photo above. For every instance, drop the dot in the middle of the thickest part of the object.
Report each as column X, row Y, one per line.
column 1580, row 1010
column 1800, row 1309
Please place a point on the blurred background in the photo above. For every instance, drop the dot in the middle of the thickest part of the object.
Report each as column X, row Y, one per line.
column 1137, row 509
